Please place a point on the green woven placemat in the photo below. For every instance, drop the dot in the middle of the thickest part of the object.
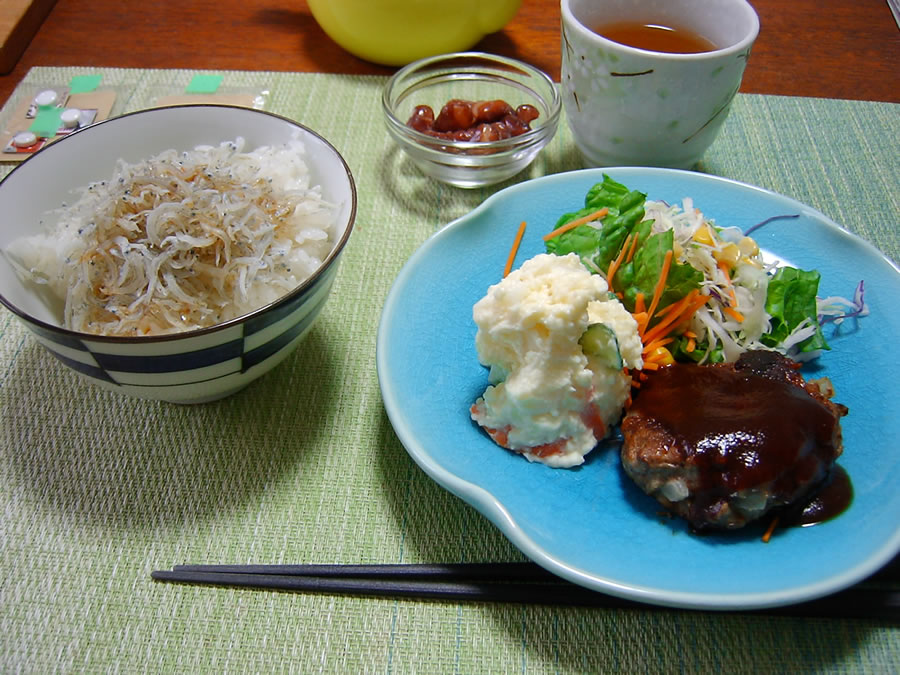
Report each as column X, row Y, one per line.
column 97, row 490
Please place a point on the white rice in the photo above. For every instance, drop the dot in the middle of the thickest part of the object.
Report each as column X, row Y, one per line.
column 183, row 240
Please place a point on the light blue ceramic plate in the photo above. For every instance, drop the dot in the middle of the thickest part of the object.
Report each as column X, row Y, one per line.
column 591, row 525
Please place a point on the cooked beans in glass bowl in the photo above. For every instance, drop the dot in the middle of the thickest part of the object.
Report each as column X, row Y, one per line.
column 471, row 119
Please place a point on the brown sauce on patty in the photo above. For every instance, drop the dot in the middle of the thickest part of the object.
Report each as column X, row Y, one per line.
column 750, row 425
column 831, row 500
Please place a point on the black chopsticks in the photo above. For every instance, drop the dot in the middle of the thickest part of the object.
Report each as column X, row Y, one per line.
column 513, row 571
column 488, row 582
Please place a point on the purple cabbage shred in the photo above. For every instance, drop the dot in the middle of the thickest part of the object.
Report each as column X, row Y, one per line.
column 769, row 220
column 858, row 307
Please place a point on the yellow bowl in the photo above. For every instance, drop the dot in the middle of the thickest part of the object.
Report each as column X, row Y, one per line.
column 397, row 32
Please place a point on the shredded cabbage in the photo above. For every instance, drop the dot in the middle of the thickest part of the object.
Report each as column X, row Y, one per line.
column 736, row 276
column 183, row 240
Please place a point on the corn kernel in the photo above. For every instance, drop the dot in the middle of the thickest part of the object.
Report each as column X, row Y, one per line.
column 703, row 236
column 748, row 247
column 728, row 254
column 660, row 355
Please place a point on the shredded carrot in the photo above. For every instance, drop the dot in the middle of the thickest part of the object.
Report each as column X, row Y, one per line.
column 694, row 302
column 678, row 307
column 660, row 285
column 575, row 223
column 639, row 307
column 514, row 249
column 691, row 345
column 653, row 363
column 733, row 313
column 659, row 342
column 632, row 248
column 668, row 309
column 676, row 319
column 689, row 334
column 724, row 268
column 670, row 317
column 770, row 530
column 614, row 265
column 641, row 318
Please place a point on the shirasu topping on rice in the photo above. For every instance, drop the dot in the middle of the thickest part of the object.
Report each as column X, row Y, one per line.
column 183, row 240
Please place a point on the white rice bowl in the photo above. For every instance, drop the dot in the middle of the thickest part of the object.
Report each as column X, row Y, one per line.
column 256, row 329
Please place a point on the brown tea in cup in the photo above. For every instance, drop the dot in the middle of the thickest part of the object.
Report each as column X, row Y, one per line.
column 655, row 37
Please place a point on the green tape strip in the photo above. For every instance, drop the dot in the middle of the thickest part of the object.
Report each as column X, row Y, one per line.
column 81, row 84
column 46, row 122
column 204, row 84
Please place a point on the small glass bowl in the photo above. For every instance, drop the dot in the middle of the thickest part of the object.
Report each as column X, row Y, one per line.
column 470, row 76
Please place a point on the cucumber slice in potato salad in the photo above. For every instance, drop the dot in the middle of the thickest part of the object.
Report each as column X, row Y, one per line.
column 599, row 340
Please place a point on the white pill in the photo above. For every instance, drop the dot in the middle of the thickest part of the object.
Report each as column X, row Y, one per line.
column 47, row 97
column 24, row 139
column 70, row 117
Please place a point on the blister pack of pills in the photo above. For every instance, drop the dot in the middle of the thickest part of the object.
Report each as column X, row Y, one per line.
column 46, row 112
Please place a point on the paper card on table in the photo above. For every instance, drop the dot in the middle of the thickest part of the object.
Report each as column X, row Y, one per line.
column 101, row 101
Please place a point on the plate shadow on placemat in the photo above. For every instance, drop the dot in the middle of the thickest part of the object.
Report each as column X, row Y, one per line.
column 437, row 526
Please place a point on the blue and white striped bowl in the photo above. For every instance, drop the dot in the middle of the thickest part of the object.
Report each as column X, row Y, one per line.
column 194, row 366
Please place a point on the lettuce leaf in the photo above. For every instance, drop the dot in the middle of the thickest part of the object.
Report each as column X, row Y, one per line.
column 791, row 299
column 700, row 352
column 601, row 245
column 643, row 272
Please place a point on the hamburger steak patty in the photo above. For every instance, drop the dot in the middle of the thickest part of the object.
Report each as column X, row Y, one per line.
column 723, row 445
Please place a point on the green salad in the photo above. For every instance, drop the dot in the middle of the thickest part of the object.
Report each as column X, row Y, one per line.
column 699, row 292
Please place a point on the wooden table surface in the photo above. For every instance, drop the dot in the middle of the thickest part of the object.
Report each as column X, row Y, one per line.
column 848, row 49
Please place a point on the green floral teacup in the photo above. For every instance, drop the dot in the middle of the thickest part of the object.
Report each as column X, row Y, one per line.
column 633, row 106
